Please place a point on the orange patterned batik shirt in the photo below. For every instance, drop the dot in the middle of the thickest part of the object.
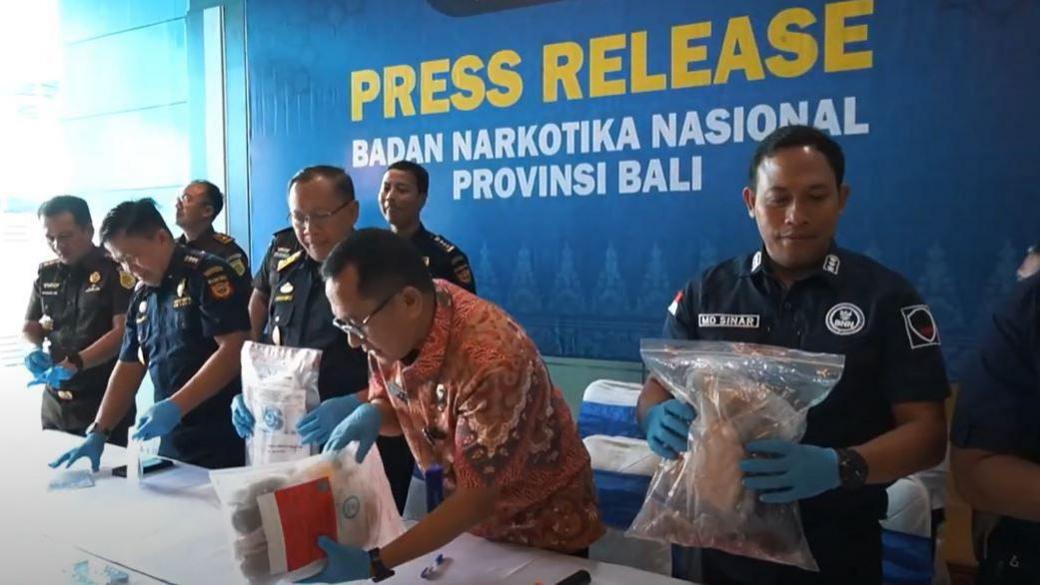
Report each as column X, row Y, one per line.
column 479, row 402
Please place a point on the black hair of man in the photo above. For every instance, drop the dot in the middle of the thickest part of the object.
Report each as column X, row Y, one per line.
column 140, row 218
column 67, row 204
column 422, row 178
column 213, row 195
column 339, row 178
column 792, row 137
column 385, row 263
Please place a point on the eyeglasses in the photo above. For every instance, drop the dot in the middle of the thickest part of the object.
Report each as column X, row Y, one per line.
column 316, row 218
column 356, row 328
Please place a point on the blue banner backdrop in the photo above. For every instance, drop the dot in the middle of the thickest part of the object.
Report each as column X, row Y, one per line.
column 589, row 155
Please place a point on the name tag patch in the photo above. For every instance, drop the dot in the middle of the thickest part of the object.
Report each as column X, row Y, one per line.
column 727, row 320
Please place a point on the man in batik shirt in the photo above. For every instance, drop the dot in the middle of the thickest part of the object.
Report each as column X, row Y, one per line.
column 469, row 391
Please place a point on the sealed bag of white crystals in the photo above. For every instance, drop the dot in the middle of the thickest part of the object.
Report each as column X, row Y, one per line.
column 742, row 393
column 279, row 386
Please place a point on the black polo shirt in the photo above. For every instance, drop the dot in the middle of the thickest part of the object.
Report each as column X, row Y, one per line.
column 851, row 306
column 999, row 400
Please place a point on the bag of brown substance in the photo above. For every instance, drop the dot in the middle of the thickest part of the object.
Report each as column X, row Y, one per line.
column 742, row 393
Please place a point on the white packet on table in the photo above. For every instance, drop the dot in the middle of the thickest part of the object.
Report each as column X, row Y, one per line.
column 279, row 386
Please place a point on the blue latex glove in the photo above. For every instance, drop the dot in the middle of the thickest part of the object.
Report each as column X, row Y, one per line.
column 38, row 361
column 91, row 448
column 795, row 471
column 159, row 420
column 667, row 425
column 345, row 563
column 241, row 418
column 362, row 426
column 53, row 377
column 317, row 426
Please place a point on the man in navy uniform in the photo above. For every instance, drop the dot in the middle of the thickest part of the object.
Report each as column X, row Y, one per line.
column 996, row 438
column 186, row 325
column 402, row 196
column 884, row 420
column 78, row 303
column 197, row 207
column 323, row 210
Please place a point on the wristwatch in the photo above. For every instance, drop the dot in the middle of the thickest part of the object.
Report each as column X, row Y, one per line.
column 95, row 427
column 852, row 469
column 378, row 569
column 75, row 359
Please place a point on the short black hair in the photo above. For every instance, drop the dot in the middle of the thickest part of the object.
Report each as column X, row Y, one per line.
column 339, row 178
column 422, row 178
column 213, row 195
column 793, row 136
column 139, row 218
column 385, row 263
column 67, row 204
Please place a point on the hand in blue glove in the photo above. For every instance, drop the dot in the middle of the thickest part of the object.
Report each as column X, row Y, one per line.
column 317, row 426
column 53, row 377
column 158, row 420
column 38, row 361
column 91, row 448
column 241, row 417
column 667, row 425
column 362, row 426
column 345, row 563
column 793, row 471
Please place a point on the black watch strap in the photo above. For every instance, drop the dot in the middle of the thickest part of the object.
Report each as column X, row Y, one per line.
column 852, row 469
column 379, row 570
column 75, row 359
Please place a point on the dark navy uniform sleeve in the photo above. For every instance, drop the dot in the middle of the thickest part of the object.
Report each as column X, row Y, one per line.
column 681, row 320
column 262, row 280
column 35, row 309
column 223, row 301
column 1000, row 390
column 912, row 363
column 128, row 351
column 121, row 288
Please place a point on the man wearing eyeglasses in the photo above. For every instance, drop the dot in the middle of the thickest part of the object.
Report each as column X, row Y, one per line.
column 197, row 206
column 322, row 212
column 468, row 389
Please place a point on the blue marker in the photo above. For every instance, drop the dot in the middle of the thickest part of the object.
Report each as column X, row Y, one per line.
column 434, row 487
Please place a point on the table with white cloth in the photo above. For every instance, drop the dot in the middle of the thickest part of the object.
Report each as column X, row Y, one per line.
column 169, row 528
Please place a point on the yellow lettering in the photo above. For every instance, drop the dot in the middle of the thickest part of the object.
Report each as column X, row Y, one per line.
column 364, row 88
column 471, row 87
column 802, row 45
column 560, row 65
column 501, row 73
column 399, row 81
column 683, row 54
column 836, row 35
column 739, row 52
column 430, row 85
column 641, row 80
column 600, row 65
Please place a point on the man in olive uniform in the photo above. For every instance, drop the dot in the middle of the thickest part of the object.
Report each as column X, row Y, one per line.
column 78, row 304
column 197, row 206
column 402, row 196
